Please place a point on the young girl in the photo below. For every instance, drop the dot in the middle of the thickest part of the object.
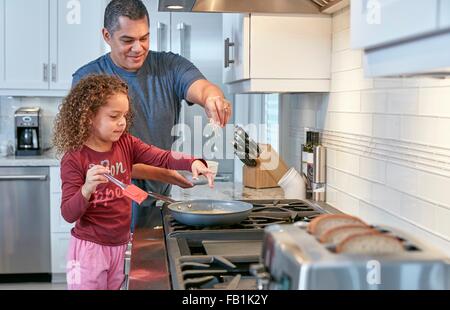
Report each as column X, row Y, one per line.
column 91, row 131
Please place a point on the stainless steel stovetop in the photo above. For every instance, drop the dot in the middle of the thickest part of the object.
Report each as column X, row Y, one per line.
column 221, row 257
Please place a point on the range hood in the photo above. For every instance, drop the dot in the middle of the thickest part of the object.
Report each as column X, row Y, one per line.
column 253, row 6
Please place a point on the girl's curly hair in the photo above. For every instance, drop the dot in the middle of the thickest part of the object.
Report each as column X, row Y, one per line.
column 72, row 125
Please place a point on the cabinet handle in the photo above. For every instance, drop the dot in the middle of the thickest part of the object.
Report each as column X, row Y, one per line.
column 228, row 61
column 159, row 39
column 54, row 76
column 45, row 72
column 23, row 177
column 182, row 28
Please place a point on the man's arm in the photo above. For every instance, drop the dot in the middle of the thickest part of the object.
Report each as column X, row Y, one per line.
column 211, row 98
column 146, row 172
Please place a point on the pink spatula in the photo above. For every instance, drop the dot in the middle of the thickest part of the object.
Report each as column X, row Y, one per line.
column 131, row 190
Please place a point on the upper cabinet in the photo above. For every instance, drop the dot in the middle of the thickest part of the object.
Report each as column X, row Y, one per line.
column 402, row 37
column 45, row 41
column 25, row 42
column 380, row 22
column 75, row 38
column 276, row 53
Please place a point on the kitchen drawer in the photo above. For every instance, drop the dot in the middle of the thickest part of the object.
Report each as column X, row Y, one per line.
column 55, row 180
column 60, row 244
column 58, row 224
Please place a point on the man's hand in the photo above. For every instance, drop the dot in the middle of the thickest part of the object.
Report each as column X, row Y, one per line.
column 211, row 98
column 218, row 109
column 146, row 172
column 198, row 167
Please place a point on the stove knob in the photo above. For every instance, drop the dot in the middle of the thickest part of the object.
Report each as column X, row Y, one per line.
column 262, row 277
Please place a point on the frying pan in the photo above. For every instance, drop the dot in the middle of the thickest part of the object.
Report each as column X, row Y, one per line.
column 206, row 212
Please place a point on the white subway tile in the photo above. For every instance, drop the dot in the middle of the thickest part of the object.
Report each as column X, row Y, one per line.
column 331, row 196
column 346, row 60
column 347, row 204
column 421, row 130
column 443, row 222
column 331, row 176
column 347, row 162
column 434, row 188
column 345, row 102
column 372, row 169
column 386, row 198
column 373, row 215
column 403, row 101
column 374, row 101
column 341, row 20
column 341, row 40
column 434, row 101
column 352, row 80
column 402, row 178
column 331, row 158
column 419, row 211
column 386, row 126
column 387, row 83
column 442, row 133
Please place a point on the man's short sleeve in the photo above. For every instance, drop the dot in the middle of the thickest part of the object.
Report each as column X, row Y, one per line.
column 184, row 73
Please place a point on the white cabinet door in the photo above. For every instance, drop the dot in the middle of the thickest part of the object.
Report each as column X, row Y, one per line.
column 60, row 244
column 290, row 47
column 58, row 224
column 159, row 27
column 236, row 29
column 444, row 14
column 378, row 22
column 76, row 38
column 26, row 44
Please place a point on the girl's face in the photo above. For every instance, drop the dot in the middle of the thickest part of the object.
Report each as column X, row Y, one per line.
column 109, row 123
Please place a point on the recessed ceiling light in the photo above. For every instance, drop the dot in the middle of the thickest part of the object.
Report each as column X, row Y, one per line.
column 175, row 7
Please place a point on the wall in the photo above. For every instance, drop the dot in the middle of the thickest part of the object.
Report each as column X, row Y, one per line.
column 388, row 143
column 8, row 105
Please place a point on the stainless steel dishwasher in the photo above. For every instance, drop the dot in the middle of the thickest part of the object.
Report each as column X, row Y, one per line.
column 24, row 220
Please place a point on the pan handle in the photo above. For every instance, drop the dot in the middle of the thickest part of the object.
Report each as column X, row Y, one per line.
column 161, row 197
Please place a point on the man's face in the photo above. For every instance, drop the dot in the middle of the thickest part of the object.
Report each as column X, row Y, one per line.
column 129, row 43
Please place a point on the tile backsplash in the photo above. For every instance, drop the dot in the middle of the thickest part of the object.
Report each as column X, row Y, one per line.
column 388, row 145
column 8, row 105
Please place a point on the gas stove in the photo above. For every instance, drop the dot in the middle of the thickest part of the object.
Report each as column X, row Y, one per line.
column 220, row 257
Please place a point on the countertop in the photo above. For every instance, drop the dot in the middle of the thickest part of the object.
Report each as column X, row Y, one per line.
column 46, row 159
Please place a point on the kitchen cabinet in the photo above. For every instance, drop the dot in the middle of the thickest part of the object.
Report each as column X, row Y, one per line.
column 277, row 53
column 198, row 38
column 402, row 38
column 26, row 40
column 444, row 14
column 59, row 228
column 45, row 41
column 381, row 22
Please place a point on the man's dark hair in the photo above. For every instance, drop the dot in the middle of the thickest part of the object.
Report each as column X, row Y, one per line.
column 133, row 9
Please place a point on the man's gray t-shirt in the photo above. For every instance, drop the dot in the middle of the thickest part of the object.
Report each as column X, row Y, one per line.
column 156, row 91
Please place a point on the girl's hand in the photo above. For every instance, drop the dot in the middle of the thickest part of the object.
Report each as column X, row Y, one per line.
column 94, row 177
column 199, row 168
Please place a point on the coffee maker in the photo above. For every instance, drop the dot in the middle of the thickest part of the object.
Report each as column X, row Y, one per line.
column 27, row 121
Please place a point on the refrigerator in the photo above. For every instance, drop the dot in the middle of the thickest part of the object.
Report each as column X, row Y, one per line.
column 197, row 37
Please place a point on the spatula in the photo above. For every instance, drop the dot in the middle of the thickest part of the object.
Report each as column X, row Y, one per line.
column 131, row 190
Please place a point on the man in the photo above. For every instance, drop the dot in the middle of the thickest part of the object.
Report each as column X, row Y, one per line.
column 157, row 81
